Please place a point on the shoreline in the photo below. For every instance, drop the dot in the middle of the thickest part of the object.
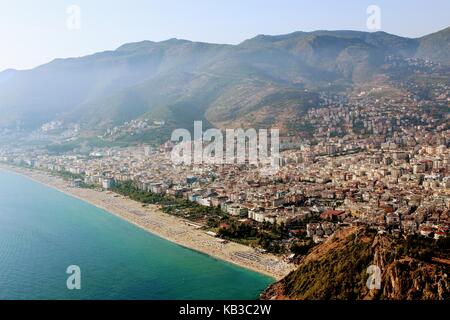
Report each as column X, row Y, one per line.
column 165, row 226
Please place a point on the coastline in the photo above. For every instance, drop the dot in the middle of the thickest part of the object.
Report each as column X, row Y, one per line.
column 170, row 228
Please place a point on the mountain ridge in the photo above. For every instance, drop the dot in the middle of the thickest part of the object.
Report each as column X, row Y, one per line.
column 220, row 83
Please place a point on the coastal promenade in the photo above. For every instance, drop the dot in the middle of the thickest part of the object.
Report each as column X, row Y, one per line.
column 171, row 228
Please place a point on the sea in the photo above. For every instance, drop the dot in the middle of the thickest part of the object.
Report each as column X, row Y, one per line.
column 53, row 246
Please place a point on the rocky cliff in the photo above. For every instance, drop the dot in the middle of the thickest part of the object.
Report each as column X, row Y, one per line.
column 409, row 269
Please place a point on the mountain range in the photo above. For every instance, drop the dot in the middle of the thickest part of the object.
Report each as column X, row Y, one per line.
column 261, row 81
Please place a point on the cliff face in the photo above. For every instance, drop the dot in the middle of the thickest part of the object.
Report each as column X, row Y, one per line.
column 410, row 269
column 410, row 279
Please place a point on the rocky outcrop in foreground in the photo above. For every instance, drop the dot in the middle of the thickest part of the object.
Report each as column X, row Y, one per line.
column 409, row 269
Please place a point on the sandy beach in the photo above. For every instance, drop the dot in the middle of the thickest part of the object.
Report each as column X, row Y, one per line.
column 171, row 228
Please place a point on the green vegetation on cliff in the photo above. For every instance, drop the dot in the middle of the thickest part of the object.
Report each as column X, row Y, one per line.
column 411, row 269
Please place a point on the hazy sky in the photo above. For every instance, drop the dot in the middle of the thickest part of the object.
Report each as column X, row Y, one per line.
column 34, row 32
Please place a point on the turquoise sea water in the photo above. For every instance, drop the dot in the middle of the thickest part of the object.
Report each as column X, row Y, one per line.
column 43, row 231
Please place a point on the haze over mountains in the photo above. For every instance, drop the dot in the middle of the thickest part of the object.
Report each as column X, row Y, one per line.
column 258, row 82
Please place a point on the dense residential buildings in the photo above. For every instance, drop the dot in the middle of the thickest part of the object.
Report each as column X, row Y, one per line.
column 384, row 164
